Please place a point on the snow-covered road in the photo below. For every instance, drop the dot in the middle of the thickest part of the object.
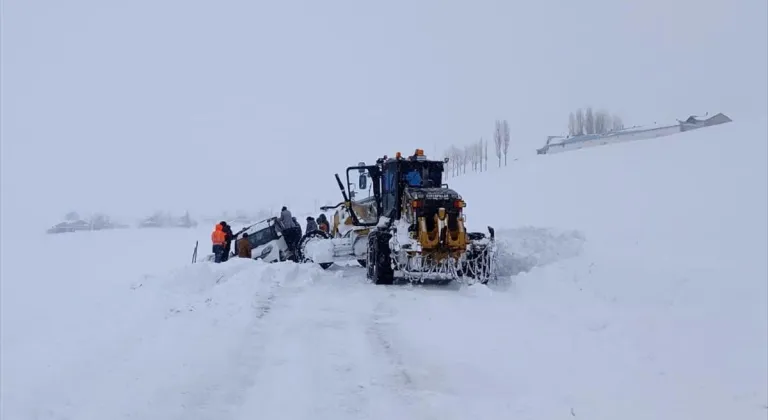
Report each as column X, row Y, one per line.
column 244, row 339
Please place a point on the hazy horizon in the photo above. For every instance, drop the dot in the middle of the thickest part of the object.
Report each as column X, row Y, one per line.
column 144, row 106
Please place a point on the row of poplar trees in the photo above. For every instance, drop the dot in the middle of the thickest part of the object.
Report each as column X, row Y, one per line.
column 474, row 157
column 589, row 122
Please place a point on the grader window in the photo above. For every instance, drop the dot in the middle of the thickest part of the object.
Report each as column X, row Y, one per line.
column 423, row 174
column 388, row 190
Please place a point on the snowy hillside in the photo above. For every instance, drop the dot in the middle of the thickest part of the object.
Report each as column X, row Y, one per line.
column 635, row 288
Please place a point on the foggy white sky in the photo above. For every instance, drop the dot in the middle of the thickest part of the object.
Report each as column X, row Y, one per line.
column 129, row 107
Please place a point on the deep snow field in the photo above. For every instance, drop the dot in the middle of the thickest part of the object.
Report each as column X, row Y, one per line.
column 634, row 287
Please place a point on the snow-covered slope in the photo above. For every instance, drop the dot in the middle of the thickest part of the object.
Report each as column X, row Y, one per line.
column 639, row 291
column 671, row 289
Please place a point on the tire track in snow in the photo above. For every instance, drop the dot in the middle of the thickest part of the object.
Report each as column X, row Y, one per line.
column 396, row 378
column 411, row 392
column 222, row 393
column 183, row 366
column 322, row 361
column 308, row 369
column 380, row 339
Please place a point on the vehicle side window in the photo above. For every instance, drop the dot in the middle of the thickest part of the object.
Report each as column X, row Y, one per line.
column 435, row 179
column 262, row 237
column 389, row 179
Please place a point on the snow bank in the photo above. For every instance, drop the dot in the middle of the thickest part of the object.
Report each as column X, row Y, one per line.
column 522, row 249
column 147, row 346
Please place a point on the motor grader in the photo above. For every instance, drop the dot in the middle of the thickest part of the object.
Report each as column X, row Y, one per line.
column 413, row 224
column 348, row 239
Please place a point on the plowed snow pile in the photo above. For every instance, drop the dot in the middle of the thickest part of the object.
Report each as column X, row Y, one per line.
column 634, row 287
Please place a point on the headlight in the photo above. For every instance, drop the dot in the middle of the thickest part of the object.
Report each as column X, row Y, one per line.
column 264, row 252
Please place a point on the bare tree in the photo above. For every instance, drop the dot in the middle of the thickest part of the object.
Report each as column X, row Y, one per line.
column 479, row 156
column 471, row 156
column 579, row 122
column 601, row 122
column 608, row 123
column 465, row 158
column 457, row 160
column 617, row 124
column 478, row 152
column 598, row 122
column 572, row 124
column 447, row 155
column 498, row 139
column 505, row 134
column 454, row 160
column 460, row 159
column 486, row 155
column 481, row 153
column 589, row 122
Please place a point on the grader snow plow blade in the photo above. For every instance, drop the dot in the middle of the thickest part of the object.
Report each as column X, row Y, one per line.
column 475, row 262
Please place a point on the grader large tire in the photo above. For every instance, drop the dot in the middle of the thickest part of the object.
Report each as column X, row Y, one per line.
column 378, row 265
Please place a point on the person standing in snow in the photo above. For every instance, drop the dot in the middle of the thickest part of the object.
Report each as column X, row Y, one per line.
column 218, row 237
column 322, row 223
column 227, row 241
column 297, row 229
column 244, row 247
column 311, row 224
column 286, row 219
column 288, row 226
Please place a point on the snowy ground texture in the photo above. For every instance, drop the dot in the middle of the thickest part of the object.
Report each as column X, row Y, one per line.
column 634, row 287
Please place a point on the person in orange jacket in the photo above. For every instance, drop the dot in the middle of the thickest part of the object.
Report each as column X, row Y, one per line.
column 218, row 237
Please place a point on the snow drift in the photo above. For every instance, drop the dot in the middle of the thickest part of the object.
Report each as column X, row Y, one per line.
column 171, row 344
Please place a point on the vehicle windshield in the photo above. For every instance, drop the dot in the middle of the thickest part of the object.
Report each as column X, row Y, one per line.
column 365, row 210
column 363, row 199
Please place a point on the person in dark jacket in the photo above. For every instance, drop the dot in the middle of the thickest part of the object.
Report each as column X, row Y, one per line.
column 322, row 223
column 288, row 227
column 297, row 229
column 286, row 219
column 244, row 247
column 227, row 241
column 311, row 224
